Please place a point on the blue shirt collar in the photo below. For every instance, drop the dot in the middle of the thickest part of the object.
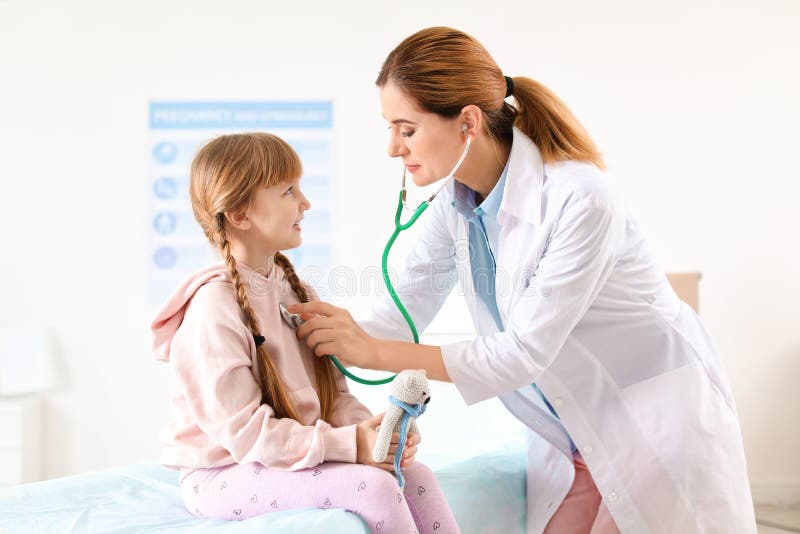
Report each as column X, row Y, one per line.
column 464, row 198
column 491, row 204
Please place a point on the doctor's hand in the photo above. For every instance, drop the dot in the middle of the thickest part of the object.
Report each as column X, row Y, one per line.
column 332, row 330
column 367, row 434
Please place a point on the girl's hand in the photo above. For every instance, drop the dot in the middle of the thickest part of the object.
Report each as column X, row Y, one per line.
column 332, row 330
column 366, row 435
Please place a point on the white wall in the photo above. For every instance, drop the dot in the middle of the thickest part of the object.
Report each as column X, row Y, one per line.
column 694, row 104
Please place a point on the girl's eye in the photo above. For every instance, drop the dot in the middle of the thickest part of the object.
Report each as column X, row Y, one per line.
column 290, row 190
column 407, row 133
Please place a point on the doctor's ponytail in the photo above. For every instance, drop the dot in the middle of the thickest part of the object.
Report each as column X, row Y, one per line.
column 444, row 70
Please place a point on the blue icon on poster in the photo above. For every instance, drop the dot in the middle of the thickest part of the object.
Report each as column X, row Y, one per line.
column 165, row 153
column 165, row 222
column 165, row 188
column 165, row 257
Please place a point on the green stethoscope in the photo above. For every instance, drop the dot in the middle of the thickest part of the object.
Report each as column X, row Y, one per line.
column 294, row 319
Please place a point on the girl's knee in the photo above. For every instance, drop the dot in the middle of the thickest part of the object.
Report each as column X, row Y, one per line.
column 379, row 480
column 418, row 471
column 364, row 481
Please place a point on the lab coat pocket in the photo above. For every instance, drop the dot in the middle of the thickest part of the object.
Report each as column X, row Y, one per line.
column 692, row 431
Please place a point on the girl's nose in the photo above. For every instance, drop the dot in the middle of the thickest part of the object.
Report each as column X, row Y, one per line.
column 305, row 204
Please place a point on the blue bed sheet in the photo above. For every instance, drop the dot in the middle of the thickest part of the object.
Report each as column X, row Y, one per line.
column 486, row 493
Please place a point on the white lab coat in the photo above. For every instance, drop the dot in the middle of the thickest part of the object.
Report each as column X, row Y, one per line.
column 590, row 318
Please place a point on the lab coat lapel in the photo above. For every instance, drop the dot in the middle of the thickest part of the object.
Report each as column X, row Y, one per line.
column 520, row 214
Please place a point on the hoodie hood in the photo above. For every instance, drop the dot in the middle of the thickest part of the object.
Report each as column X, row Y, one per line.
column 171, row 315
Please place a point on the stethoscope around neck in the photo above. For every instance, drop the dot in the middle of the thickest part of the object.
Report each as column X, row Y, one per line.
column 294, row 320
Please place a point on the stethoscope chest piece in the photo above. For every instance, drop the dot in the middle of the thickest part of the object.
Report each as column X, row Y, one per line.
column 294, row 320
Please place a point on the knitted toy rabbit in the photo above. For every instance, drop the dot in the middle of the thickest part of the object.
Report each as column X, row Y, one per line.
column 410, row 395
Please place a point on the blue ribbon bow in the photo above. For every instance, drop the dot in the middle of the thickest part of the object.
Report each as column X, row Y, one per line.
column 409, row 411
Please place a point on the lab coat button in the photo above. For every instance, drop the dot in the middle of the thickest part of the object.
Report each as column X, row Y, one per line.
column 587, row 449
column 558, row 403
column 613, row 496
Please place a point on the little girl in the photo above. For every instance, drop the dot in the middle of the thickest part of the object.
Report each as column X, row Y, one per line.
column 262, row 425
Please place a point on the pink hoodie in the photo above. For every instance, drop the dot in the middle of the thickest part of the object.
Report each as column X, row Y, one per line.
column 219, row 417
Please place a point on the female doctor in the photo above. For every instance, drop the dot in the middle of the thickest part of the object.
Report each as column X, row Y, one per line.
column 632, row 424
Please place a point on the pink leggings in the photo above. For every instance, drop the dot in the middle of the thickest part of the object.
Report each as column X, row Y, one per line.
column 241, row 491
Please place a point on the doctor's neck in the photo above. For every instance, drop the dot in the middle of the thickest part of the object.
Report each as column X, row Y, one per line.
column 484, row 164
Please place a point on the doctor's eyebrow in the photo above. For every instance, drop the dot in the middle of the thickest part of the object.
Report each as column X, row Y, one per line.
column 402, row 121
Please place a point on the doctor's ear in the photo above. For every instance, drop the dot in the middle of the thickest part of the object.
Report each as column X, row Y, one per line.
column 471, row 119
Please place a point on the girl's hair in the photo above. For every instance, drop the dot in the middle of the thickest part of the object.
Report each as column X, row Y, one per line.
column 444, row 70
column 225, row 175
